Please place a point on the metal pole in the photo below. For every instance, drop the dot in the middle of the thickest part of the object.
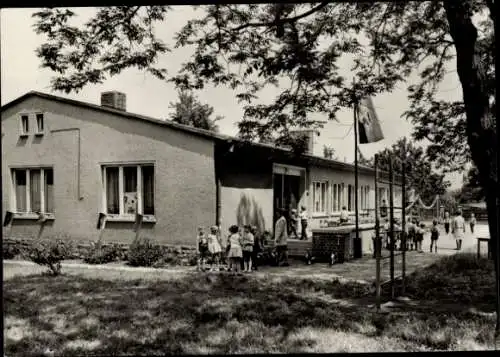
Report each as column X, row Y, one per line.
column 403, row 226
column 391, row 217
column 377, row 237
column 356, row 208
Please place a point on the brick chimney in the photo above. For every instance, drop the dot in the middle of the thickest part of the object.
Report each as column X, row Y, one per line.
column 114, row 99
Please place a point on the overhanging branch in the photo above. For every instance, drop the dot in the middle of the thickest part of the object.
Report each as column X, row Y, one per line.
column 283, row 21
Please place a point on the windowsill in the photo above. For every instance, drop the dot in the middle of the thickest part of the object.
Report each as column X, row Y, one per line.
column 23, row 135
column 129, row 218
column 40, row 133
column 33, row 216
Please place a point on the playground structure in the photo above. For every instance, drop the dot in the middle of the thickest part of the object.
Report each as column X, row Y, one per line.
column 412, row 206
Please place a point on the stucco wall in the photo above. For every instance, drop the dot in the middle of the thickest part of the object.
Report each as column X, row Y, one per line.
column 246, row 196
column 184, row 171
column 333, row 176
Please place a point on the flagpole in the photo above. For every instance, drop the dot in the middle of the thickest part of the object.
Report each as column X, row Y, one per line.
column 356, row 208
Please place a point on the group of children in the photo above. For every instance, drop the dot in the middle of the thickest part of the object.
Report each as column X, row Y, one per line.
column 241, row 253
column 415, row 232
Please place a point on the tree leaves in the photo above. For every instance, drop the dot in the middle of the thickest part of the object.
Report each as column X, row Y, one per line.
column 420, row 174
column 189, row 111
column 298, row 47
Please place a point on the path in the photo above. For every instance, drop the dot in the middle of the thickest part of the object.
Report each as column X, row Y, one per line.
column 361, row 270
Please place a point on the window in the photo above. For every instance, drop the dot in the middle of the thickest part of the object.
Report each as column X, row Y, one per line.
column 365, row 197
column 320, row 191
column 129, row 189
column 25, row 128
column 34, row 190
column 350, row 198
column 337, row 197
column 39, row 124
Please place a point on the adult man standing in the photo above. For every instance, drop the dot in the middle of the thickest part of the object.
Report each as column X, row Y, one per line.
column 281, row 238
column 458, row 228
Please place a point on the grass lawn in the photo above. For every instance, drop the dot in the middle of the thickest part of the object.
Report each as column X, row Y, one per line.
column 221, row 313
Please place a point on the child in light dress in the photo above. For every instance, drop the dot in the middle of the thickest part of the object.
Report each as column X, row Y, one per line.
column 202, row 248
column 235, row 252
column 214, row 247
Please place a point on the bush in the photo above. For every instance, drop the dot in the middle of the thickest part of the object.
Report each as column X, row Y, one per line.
column 102, row 255
column 50, row 254
column 10, row 251
column 144, row 253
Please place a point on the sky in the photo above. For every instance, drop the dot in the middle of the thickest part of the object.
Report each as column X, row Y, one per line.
column 21, row 73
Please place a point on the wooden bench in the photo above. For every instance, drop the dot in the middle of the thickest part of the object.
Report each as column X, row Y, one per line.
column 479, row 241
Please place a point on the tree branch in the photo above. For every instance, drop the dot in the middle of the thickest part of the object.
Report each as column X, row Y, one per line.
column 283, row 21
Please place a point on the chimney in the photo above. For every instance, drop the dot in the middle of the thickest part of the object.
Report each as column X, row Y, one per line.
column 114, row 99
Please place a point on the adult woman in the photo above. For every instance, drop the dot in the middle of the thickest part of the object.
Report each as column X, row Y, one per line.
column 458, row 229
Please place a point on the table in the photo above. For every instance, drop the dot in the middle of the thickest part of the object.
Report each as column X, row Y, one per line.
column 479, row 240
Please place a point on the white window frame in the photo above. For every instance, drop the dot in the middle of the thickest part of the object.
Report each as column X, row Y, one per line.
column 29, row 214
column 122, row 216
column 337, row 199
column 24, row 133
column 323, row 201
column 38, row 131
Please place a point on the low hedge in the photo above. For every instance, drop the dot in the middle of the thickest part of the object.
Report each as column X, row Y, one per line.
column 150, row 254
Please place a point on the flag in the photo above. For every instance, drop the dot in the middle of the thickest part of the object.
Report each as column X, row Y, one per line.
column 368, row 123
column 8, row 218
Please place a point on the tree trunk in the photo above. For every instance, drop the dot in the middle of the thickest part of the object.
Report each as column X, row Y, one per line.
column 481, row 126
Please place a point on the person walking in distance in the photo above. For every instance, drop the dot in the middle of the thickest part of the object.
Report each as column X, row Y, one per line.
column 281, row 238
column 303, row 223
column 472, row 222
column 458, row 228
column 447, row 222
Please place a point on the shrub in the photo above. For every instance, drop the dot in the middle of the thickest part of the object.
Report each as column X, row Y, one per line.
column 144, row 253
column 102, row 255
column 49, row 254
column 10, row 251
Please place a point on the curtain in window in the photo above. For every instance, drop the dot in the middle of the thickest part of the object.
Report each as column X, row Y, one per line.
column 148, row 189
column 49, row 190
column 20, row 187
column 112, row 194
column 35, row 191
column 323, row 197
column 130, row 178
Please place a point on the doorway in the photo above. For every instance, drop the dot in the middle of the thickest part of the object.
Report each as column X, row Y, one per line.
column 288, row 190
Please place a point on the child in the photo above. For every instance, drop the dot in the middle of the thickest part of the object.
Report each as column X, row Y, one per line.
column 410, row 235
column 434, row 236
column 202, row 248
column 234, row 249
column 344, row 215
column 447, row 222
column 248, row 241
column 257, row 247
column 472, row 222
column 214, row 247
column 419, row 237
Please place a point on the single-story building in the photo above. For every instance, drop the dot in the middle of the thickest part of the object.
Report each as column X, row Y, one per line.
column 72, row 160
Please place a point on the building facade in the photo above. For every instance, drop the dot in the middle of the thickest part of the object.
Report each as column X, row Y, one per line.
column 70, row 161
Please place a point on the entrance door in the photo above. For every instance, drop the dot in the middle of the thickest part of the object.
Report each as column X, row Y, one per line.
column 288, row 186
